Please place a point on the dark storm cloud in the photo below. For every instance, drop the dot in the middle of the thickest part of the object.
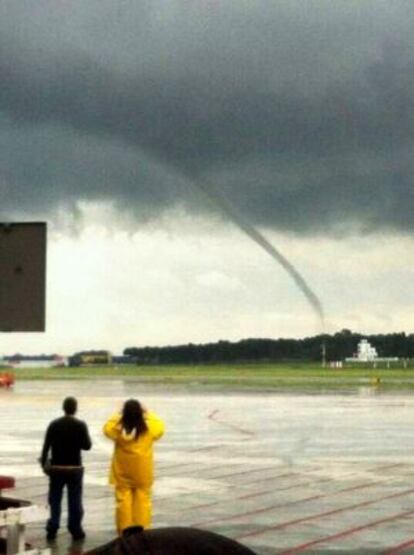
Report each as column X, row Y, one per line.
column 300, row 113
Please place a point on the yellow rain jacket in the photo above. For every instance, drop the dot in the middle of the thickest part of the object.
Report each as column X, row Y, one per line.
column 132, row 461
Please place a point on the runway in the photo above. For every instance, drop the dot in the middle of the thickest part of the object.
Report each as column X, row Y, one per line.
column 281, row 473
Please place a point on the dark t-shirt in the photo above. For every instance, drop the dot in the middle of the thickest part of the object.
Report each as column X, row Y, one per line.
column 66, row 437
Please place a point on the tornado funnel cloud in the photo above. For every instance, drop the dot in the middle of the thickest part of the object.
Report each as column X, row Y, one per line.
column 260, row 240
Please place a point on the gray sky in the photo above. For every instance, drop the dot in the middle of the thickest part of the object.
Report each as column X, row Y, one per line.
column 300, row 113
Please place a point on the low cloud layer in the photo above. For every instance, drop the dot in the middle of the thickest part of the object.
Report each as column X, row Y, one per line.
column 301, row 114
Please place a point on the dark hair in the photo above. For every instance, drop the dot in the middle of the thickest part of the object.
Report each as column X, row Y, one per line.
column 133, row 417
column 70, row 406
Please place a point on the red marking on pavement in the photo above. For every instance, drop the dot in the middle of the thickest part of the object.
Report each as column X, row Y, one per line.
column 212, row 415
column 293, row 486
column 194, row 469
column 320, row 515
column 289, row 474
column 243, row 472
column 203, row 466
column 384, row 467
column 266, row 491
column 308, row 483
column 203, row 506
column 303, row 519
column 320, row 495
column 399, row 548
column 208, row 448
column 320, row 481
column 194, row 507
column 347, row 532
column 277, row 477
column 176, row 465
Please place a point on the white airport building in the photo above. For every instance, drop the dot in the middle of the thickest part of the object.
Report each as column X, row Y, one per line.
column 17, row 362
column 367, row 353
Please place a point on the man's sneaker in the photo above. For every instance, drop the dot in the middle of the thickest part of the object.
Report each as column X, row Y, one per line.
column 79, row 536
column 50, row 536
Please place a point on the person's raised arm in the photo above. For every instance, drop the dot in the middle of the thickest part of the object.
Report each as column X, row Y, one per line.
column 112, row 428
column 156, row 426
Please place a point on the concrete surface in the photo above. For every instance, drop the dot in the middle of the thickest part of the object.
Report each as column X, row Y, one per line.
column 280, row 473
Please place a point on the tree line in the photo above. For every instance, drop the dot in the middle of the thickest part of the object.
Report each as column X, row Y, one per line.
column 336, row 347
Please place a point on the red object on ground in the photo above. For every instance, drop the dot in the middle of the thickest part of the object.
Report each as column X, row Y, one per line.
column 6, row 482
column 6, row 379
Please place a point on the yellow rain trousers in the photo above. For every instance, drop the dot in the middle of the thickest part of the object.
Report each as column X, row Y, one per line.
column 132, row 470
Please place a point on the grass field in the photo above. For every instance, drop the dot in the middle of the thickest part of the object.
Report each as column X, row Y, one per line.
column 258, row 376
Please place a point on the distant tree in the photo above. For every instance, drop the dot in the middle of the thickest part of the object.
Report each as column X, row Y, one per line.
column 337, row 346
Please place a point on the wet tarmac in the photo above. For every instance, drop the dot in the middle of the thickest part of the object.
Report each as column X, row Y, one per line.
column 281, row 473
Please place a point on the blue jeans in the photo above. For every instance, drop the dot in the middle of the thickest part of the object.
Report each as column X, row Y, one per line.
column 72, row 479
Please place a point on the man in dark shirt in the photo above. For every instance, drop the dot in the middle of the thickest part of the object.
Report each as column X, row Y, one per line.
column 65, row 437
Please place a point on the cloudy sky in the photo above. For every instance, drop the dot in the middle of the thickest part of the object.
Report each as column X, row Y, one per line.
column 148, row 134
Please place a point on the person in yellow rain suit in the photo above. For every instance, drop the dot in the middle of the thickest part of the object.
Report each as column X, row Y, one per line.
column 133, row 431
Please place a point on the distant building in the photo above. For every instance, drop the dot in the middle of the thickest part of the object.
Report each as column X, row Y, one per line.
column 367, row 353
column 38, row 361
column 91, row 358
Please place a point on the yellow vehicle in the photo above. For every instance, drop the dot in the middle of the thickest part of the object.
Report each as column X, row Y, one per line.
column 91, row 358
